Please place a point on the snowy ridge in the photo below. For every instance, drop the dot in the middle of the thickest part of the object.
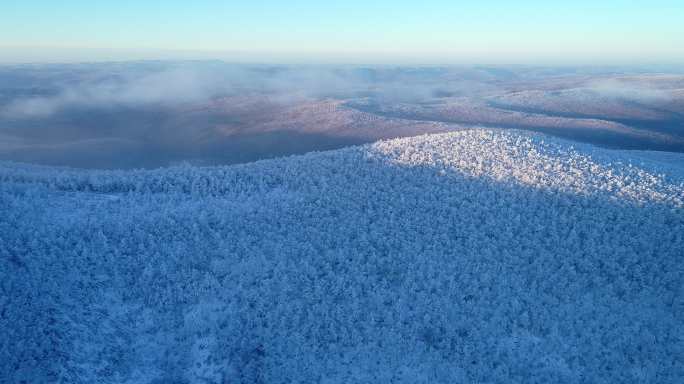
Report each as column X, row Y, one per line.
column 473, row 256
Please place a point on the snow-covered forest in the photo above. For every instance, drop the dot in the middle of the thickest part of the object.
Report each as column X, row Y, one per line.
column 478, row 256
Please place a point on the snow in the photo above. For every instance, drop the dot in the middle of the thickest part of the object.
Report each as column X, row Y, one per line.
column 476, row 256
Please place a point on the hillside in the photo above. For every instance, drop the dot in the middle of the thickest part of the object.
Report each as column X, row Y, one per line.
column 472, row 256
column 130, row 115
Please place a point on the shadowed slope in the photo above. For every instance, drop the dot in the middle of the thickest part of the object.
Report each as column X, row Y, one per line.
column 475, row 256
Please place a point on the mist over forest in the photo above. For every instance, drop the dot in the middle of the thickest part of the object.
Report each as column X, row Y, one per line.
column 150, row 114
column 341, row 192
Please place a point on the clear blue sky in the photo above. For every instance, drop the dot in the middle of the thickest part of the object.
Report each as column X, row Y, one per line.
column 494, row 31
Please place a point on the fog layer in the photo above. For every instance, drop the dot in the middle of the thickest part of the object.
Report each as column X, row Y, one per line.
column 150, row 114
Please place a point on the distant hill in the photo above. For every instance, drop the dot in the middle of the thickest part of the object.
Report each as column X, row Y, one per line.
column 129, row 115
column 474, row 256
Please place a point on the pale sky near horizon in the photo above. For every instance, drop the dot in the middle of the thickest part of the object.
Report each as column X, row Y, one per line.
column 494, row 31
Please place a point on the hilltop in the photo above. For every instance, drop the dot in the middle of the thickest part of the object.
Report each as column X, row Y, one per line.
column 473, row 256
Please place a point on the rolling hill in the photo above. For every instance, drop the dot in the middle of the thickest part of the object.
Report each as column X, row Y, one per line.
column 481, row 255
